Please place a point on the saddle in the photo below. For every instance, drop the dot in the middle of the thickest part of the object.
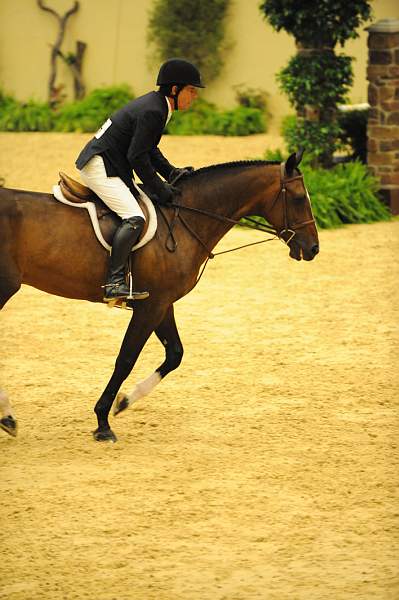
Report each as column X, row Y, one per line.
column 78, row 193
column 105, row 222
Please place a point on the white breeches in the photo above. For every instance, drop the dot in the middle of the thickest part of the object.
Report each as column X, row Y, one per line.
column 112, row 190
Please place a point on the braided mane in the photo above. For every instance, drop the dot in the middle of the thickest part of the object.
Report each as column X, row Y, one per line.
column 232, row 165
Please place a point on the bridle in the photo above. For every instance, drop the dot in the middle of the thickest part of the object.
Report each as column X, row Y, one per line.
column 288, row 228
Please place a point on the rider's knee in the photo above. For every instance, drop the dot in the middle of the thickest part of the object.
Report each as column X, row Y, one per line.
column 136, row 222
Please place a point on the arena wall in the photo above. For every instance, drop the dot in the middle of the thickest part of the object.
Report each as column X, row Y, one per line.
column 115, row 32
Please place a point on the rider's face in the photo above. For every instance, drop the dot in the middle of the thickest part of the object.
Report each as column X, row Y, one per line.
column 187, row 96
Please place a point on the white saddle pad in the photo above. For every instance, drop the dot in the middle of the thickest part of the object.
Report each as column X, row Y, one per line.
column 90, row 207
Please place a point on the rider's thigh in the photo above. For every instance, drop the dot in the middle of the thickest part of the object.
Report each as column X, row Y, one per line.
column 112, row 190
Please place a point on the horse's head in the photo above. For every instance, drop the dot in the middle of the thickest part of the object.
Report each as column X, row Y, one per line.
column 291, row 212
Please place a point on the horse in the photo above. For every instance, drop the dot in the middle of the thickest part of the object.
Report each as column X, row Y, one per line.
column 51, row 246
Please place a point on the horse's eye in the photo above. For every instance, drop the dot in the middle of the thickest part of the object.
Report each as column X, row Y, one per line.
column 300, row 199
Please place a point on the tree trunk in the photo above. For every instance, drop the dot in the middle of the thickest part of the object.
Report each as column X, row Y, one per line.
column 55, row 48
column 79, row 86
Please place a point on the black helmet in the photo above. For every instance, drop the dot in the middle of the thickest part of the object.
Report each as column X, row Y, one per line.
column 177, row 71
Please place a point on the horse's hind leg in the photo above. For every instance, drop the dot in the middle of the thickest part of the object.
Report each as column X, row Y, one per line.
column 168, row 335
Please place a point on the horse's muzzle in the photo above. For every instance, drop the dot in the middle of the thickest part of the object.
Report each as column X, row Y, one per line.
column 299, row 252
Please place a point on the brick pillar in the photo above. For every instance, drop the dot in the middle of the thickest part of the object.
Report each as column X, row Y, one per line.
column 383, row 96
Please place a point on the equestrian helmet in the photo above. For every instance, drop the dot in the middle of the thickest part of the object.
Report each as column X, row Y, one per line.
column 177, row 71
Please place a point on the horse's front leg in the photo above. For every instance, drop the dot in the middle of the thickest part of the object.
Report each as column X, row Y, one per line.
column 168, row 335
column 142, row 324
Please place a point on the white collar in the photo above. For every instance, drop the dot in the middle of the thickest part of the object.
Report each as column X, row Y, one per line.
column 170, row 111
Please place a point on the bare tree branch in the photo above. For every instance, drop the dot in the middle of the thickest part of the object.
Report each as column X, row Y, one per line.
column 55, row 48
column 76, row 68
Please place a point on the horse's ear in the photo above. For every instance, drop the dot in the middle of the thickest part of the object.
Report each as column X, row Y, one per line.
column 290, row 164
column 299, row 155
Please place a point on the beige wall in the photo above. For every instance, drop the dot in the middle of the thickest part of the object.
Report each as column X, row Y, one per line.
column 115, row 32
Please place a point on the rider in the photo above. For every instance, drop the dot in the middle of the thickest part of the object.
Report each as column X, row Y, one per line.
column 128, row 141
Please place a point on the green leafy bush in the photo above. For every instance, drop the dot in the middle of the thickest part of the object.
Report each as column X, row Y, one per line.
column 199, row 119
column 251, row 97
column 83, row 115
column 89, row 114
column 190, row 29
column 204, row 118
column 24, row 116
column 330, row 74
column 6, row 100
column 347, row 193
column 240, row 121
column 324, row 23
column 348, row 134
column 318, row 139
column 317, row 79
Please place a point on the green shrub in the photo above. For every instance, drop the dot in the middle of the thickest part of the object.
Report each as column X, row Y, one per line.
column 89, row 114
column 349, row 133
column 240, row 121
column 317, row 79
column 275, row 155
column 204, row 118
column 6, row 100
column 24, row 116
column 199, row 119
column 190, row 29
column 329, row 74
column 251, row 97
column 318, row 139
column 347, row 193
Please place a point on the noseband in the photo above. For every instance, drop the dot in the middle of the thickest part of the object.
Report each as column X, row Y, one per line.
column 289, row 228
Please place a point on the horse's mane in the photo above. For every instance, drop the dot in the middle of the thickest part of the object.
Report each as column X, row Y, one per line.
column 231, row 165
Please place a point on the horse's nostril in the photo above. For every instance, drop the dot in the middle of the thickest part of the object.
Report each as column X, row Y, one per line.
column 315, row 249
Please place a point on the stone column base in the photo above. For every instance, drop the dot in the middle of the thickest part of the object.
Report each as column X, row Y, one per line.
column 391, row 198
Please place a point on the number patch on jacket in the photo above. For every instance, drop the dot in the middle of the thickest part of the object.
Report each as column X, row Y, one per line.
column 103, row 128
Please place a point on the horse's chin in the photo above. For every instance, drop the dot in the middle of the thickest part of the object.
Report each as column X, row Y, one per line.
column 296, row 252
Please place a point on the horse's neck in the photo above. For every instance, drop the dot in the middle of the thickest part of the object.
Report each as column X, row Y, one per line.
column 232, row 195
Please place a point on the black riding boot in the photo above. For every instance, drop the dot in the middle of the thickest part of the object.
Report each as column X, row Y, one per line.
column 124, row 239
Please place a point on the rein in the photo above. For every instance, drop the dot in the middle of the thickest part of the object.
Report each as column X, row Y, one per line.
column 288, row 228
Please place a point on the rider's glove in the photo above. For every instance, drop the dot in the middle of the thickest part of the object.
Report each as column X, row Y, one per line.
column 167, row 193
column 164, row 192
column 177, row 173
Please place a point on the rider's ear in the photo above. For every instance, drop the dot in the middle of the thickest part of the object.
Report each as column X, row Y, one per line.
column 290, row 164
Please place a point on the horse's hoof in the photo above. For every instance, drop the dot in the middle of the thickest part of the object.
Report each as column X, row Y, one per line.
column 9, row 425
column 104, row 436
column 121, row 403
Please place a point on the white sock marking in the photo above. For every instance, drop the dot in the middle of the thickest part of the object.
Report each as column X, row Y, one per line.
column 143, row 388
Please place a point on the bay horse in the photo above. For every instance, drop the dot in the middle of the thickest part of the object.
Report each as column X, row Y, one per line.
column 51, row 246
